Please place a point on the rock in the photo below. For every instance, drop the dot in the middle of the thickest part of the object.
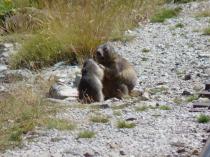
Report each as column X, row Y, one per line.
column 195, row 152
column 3, row 67
column 88, row 155
column 203, row 100
column 186, row 93
column 198, row 87
column 62, row 91
column 145, row 96
column 181, row 150
column 131, row 119
column 187, row 77
column 77, row 80
column 122, row 152
column 207, row 71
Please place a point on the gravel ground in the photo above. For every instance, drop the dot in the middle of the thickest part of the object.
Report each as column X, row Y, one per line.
column 168, row 60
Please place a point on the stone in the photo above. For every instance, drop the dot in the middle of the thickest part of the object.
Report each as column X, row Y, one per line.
column 186, row 93
column 187, row 77
column 62, row 91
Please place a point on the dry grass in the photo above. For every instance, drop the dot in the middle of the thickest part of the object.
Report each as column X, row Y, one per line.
column 76, row 28
column 21, row 110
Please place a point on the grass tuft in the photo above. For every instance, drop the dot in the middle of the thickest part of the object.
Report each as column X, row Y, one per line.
column 59, row 124
column 99, row 119
column 86, row 134
column 125, row 124
column 164, row 107
column 203, row 118
column 207, row 31
column 179, row 25
column 164, row 14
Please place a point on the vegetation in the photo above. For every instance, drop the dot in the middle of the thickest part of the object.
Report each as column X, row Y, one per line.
column 192, row 98
column 156, row 90
column 205, row 13
column 203, row 118
column 59, row 124
column 164, row 107
column 99, row 119
column 207, row 31
column 21, row 111
column 179, row 25
column 70, row 30
column 86, row 134
column 177, row 100
column 125, row 124
column 164, row 14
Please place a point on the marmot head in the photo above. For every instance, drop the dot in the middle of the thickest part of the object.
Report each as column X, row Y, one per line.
column 105, row 53
column 90, row 67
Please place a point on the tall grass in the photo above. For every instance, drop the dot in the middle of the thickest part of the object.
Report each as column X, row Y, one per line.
column 21, row 110
column 75, row 27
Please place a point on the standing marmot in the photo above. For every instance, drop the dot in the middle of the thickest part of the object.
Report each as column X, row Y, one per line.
column 119, row 75
column 90, row 86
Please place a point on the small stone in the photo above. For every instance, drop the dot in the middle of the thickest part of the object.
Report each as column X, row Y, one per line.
column 187, row 77
column 186, row 93
column 122, row 152
column 131, row 119
column 62, row 91
column 88, row 155
column 195, row 152
column 181, row 150
column 203, row 100
column 105, row 106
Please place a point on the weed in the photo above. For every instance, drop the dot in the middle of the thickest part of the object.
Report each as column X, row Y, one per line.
column 99, row 119
column 164, row 107
column 164, row 14
column 177, row 100
column 86, row 134
column 203, row 118
column 59, row 124
column 125, row 124
column 192, row 98
column 145, row 50
column 179, row 25
column 207, row 31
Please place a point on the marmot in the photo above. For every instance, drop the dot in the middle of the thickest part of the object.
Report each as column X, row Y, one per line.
column 90, row 86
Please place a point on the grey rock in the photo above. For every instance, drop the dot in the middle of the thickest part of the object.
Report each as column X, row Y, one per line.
column 62, row 91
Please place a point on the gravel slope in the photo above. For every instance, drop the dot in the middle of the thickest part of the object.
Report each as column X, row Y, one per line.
column 173, row 55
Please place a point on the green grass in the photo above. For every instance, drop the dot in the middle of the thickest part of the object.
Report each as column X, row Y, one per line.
column 59, row 124
column 21, row 111
column 203, row 118
column 124, row 124
column 164, row 14
column 192, row 98
column 145, row 50
column 73, row 31
column 177, row 100
column 86, row 134
column 99, row 119
column 164, row 107
column 179, row 25
column 206, row 31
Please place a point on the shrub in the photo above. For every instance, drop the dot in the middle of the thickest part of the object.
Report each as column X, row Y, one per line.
column 99, row 119
column 207, row 31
